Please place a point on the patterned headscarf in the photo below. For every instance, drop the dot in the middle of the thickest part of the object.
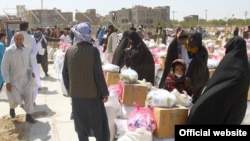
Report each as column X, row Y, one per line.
column 193, row 40
column 37, row 35
column 82, row 32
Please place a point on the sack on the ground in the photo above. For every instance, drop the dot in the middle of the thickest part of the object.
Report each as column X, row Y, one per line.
column 140, row 134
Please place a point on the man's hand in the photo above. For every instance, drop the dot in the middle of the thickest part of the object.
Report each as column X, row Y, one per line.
column 104, row 47
column 127, row 49
column 104, row 99
column 179, row 34
column 33, row 75
column 9, row 87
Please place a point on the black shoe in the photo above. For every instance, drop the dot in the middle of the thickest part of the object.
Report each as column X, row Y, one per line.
column 12, row 113
column 65, row 95
column 30, row 119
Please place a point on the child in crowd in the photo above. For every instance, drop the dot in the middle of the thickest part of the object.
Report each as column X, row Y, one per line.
column 177, row 79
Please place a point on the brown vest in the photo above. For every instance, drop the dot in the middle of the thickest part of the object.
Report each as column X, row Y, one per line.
column 80, row 62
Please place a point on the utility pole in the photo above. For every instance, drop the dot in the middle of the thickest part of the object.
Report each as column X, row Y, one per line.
column 246, row 13
column 42, row 4
column 206, row 14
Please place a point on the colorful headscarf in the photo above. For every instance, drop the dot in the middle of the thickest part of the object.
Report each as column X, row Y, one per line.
column 82, row 32
column 191, row 45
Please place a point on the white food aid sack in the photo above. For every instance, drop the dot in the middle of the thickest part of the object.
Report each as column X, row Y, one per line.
column 110, row 67
column 140, row 134
column 160, row 98
column 182, row 99
column 128, row 75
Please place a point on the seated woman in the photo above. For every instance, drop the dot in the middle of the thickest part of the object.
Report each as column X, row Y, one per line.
column 139, row 57
column 177, row 79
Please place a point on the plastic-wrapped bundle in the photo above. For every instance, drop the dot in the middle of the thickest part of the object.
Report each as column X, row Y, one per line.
column 110, row 67
column 112, row 107
column 182, row 99
column 128, row 75
column 160, row 98
column 63, row 45
column 141, row 117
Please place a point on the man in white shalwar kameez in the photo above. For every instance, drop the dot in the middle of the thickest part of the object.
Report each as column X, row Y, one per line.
column 112, row 43
column 19, row 77
column 30, row 43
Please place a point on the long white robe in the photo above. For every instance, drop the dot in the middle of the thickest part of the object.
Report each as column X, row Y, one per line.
column 111, row 47
column 30, row 43
column 17, row 70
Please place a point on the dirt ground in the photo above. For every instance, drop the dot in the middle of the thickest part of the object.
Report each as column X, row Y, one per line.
column 16, row 129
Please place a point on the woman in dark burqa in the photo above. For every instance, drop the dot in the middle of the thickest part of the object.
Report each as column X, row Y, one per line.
column 224, row 100
column 119, row 54
column 139, row 58
column 236, row 31
column 188, row 46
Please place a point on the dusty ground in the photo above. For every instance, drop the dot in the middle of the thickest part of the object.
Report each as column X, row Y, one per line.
column 16, row 129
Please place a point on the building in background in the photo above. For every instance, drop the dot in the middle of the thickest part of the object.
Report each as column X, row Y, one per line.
column 191, row 18
column 122, row 19
column 44, row 17
column 89, row 16
column 139, row 15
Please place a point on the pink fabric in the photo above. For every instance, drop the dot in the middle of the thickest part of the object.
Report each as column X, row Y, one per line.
column 120, row 86
column 64, row 45
column 141, row 117
column 248, row 54
column 117, row 88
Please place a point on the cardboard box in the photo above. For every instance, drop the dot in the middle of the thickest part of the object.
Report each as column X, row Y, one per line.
column 167, row 118
column 134, row 93
column 53, row 44
column 111, row 78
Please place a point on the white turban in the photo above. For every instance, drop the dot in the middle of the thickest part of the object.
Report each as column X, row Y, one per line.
column 82, row 32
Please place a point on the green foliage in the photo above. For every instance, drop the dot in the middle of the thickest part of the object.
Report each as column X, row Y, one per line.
column 162, row 23
column 214, row 22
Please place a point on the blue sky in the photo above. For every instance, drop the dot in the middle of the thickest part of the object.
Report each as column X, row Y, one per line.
column 215, row 9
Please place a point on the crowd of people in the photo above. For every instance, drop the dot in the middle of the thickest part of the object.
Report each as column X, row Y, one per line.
column 185, row 69
column 21, row 62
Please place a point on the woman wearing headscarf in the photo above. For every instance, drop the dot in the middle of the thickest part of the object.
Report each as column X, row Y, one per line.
column 119, row 54
column 224, row 100
column 139, row 58
column 236, row 31
column 83, row 79
column 188, row 46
